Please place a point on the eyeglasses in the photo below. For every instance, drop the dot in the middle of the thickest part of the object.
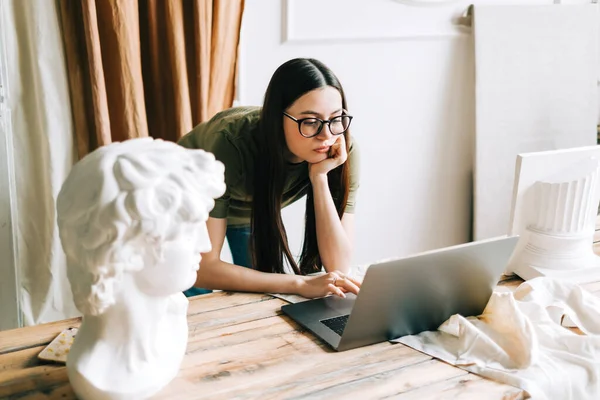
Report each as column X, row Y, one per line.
column 311, row 127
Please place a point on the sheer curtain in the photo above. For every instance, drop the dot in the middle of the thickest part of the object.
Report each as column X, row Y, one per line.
column 42, row 130
column 85, row 73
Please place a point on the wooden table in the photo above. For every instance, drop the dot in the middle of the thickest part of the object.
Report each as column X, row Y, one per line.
column 240, row 346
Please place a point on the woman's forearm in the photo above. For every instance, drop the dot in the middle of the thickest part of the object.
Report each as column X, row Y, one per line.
column 334, row 246
column 217, row 274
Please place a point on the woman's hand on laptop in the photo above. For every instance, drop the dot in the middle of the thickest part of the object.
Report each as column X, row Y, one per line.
column 336, row 283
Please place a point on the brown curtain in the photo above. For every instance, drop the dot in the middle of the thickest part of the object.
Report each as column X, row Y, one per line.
column 148, row 67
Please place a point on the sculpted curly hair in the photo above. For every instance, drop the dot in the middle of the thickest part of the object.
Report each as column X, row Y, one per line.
column 121, row 202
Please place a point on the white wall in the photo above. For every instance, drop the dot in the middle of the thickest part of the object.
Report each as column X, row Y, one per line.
column 408, row 72
column 412, row 99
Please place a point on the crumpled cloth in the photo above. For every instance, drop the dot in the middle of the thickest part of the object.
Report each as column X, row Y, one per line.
column 522, row 339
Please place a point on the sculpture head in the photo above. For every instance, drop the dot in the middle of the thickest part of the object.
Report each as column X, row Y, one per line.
column 137, row 207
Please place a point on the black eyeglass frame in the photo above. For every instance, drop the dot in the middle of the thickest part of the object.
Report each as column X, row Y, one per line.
column 323, row 122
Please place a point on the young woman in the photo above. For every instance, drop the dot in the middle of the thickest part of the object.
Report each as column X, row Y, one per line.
column 297, row 144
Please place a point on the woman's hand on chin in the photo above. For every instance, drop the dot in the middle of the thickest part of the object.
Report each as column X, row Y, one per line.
column 336, row 157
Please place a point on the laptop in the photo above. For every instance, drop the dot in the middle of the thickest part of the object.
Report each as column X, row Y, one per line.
column 409, row 295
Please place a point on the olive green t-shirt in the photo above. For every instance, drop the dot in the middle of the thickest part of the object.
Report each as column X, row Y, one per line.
column 231, row 136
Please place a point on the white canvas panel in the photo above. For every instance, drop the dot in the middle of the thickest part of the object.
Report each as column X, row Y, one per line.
column 536, row 90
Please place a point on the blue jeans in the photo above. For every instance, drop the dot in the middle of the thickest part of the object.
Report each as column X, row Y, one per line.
column 239, row 244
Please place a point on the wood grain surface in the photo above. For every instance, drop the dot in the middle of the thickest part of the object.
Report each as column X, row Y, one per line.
column 241, row 347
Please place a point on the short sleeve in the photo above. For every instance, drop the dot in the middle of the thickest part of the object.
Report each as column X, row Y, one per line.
column 354, row 159
column 225, row 151
column 219, row 144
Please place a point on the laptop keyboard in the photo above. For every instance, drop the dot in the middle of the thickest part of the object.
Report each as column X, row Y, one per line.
column 336, row 324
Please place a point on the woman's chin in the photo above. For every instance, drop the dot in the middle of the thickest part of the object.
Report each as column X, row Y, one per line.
column 316, row 158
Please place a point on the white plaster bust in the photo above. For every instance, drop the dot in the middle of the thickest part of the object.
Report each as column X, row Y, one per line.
column 132, row 222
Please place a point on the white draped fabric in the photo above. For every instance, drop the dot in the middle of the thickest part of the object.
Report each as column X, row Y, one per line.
column 42, row 135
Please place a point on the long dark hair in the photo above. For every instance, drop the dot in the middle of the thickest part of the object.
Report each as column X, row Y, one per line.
column 269, row 241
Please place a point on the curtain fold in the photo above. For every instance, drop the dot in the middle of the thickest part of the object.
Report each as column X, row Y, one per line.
column 148, row 67
column 99, row 71
column 42, row 131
